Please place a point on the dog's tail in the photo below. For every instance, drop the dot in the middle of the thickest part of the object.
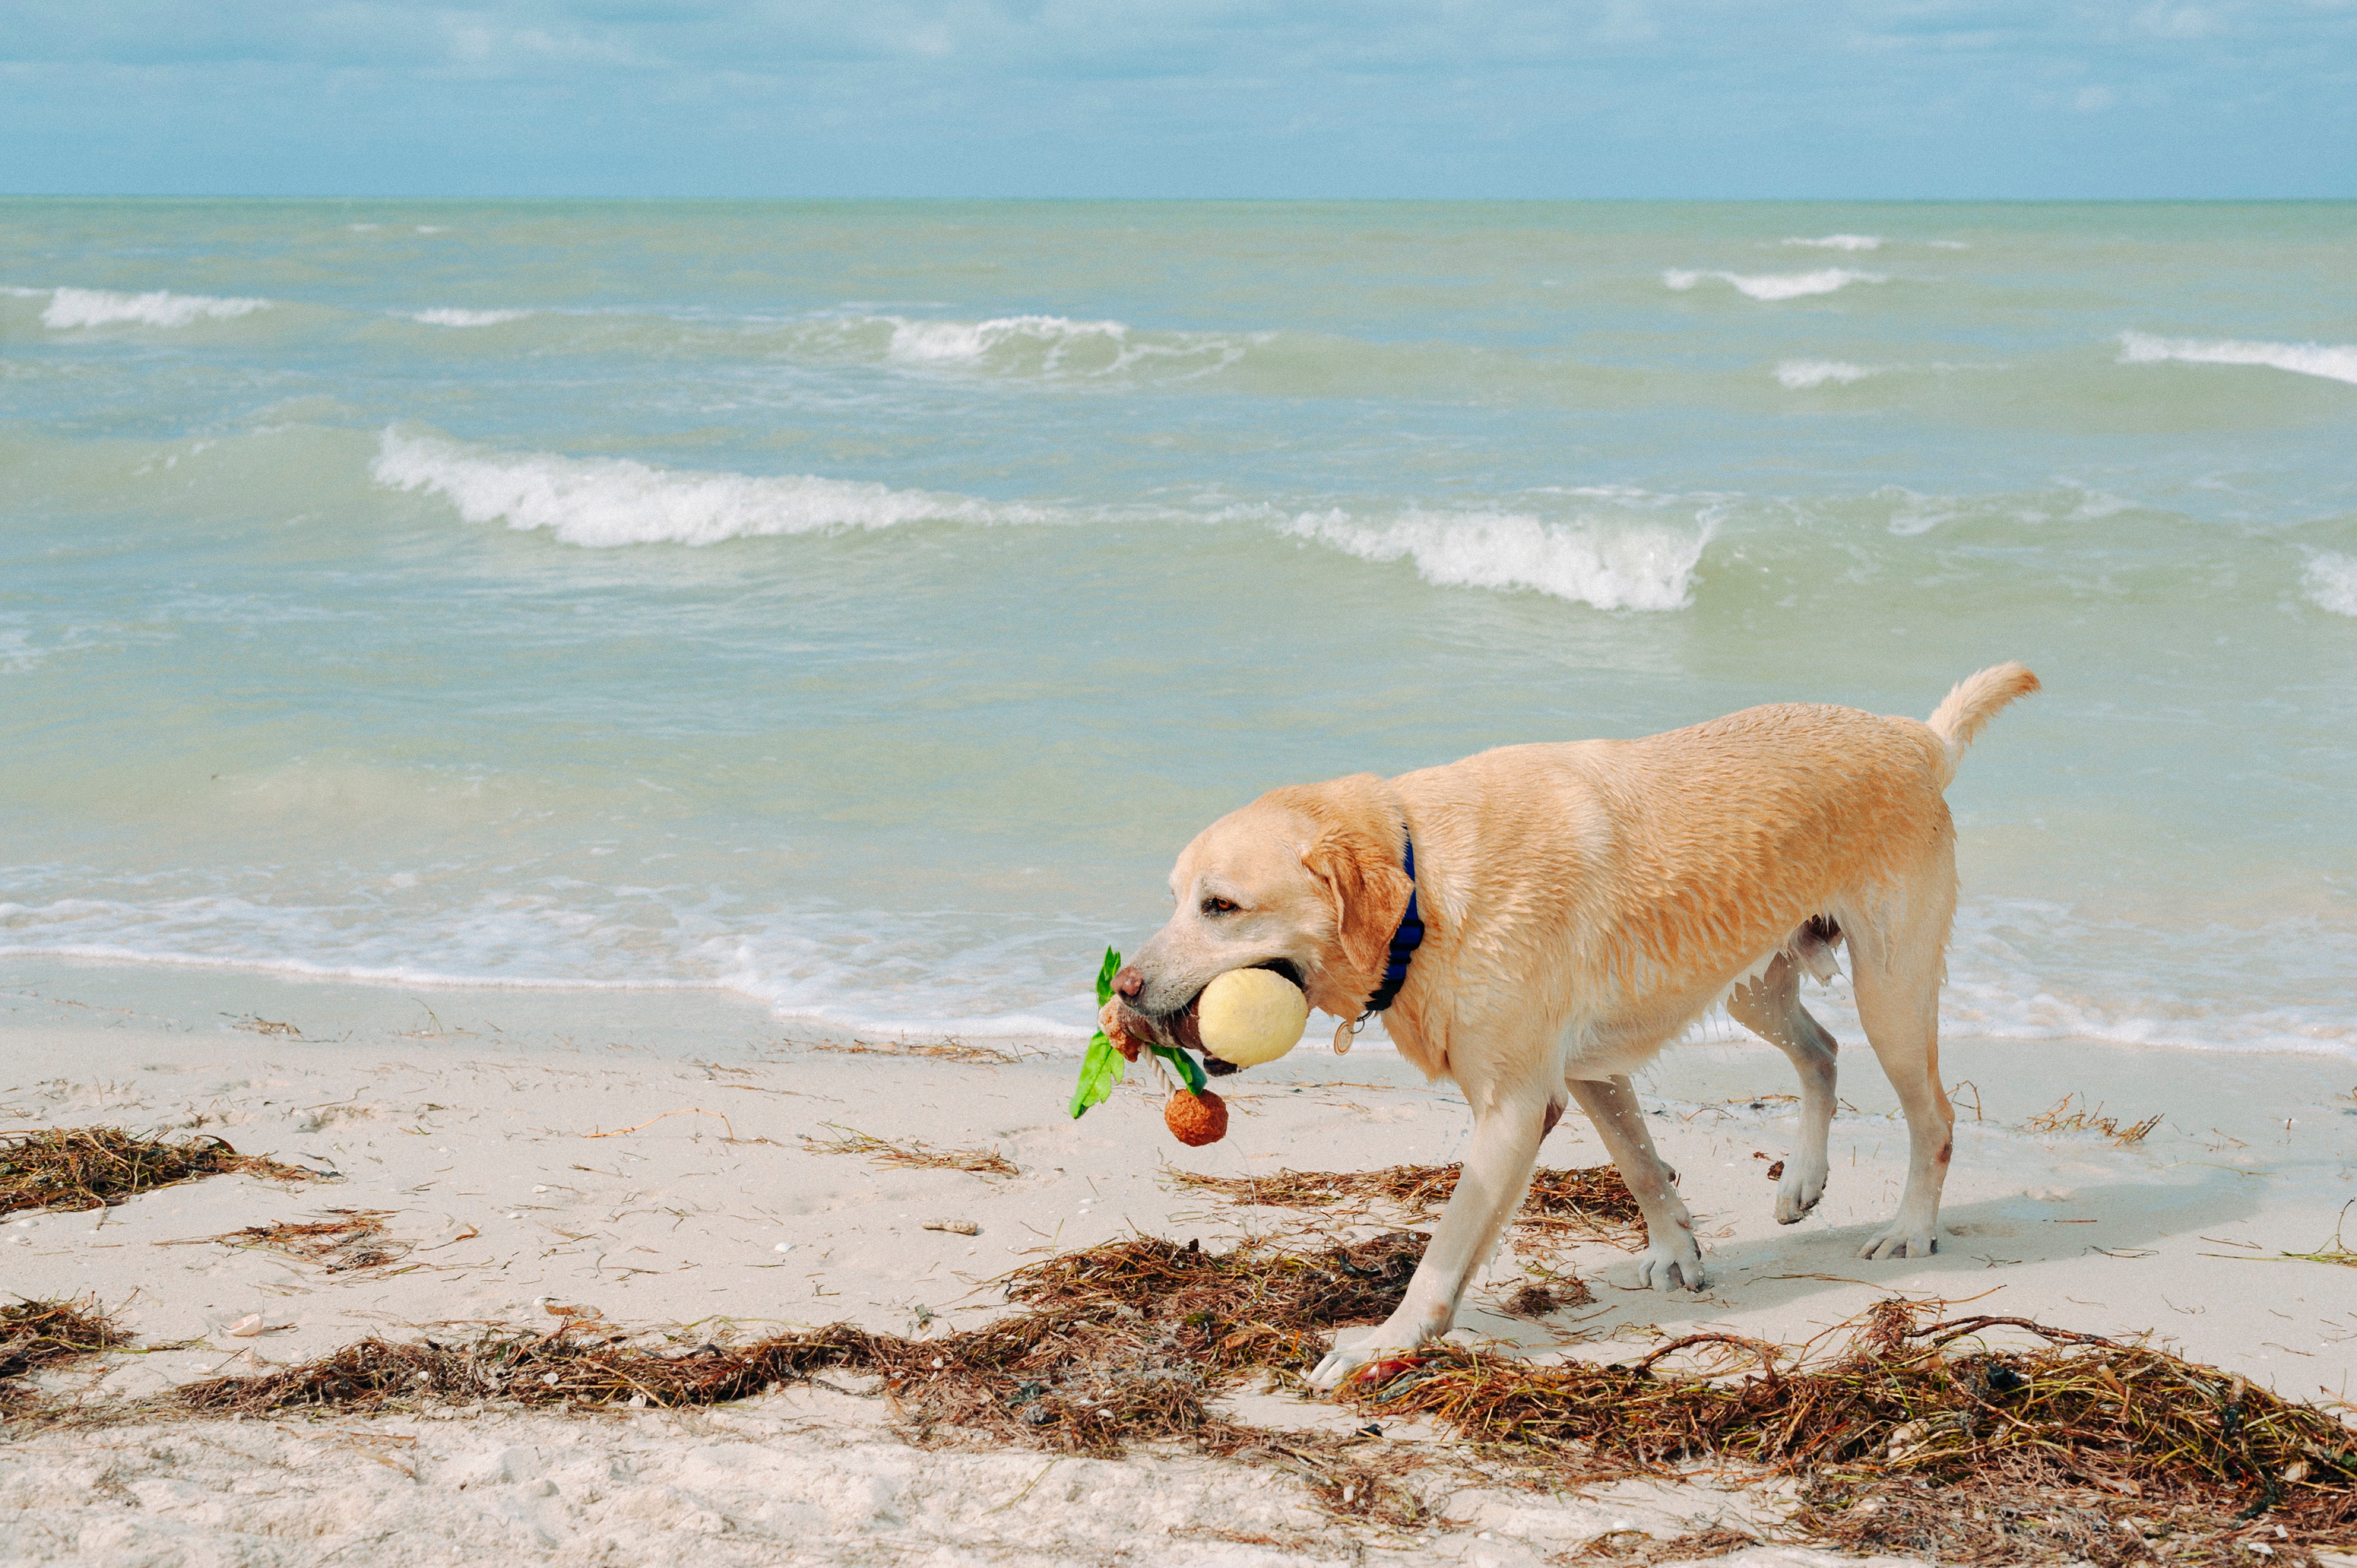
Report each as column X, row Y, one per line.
column 1975, row 701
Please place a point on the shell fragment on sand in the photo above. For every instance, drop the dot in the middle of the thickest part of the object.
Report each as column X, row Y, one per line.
column 954, row 1227
column 1251, row 1015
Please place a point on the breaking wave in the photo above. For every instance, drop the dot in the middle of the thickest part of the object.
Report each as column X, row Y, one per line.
column 2331, row 581
column 453, row 317
column 1047, row 345
column 605, row 501
column 599, row 502
column 1799, row 375
column 955, row 342
column 71, row 307
column 1841, row 242
column 2331, row 361
column 1774, row 285
column 1612, row 568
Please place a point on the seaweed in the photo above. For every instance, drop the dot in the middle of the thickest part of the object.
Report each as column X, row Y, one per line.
column 951, row 1050
column 2060, row 1118
column 39, row 1333
column 911, row 1155
column 93, row 1168
column 1119, row 1344
column 1592, row 1199
column 352, row 1239
column 1909, row 1444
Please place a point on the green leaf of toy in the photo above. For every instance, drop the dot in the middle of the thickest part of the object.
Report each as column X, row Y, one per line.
column 1105, row 972
column 1189, row 1069
column 1100, row 1070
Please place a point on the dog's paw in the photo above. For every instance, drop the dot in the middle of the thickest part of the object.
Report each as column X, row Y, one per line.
column 1344, row 1362
column 1901, row 1242
column 1674, row 1267
column 1798, row 1192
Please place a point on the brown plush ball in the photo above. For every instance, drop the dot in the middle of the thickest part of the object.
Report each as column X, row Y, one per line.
column 1195, row 1119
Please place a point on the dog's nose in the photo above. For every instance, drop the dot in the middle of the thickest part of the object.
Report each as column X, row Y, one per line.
column 1128, row 982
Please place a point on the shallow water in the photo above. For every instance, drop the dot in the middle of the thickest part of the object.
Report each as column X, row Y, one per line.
column 858, row 604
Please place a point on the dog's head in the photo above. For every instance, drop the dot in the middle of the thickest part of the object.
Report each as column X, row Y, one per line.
column 1306, row 881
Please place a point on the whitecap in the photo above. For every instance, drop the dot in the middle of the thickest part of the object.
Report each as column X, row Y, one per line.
column 1841, row 242
column 2334, row 362
column 446, row 317
column 17, row 653
column 1610, row 568
column 2025, row 969
column 1775, row 286
column 1799, row 375
column 70, row 307
column 2331, row 581
column 603, row 501
column 954, row 343
column 866, row 970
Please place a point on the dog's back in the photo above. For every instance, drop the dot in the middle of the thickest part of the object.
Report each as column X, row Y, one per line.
column 1754, row 821
column 1655, row 870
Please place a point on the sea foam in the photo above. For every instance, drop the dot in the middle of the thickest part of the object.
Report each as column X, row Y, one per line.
column 1775, row 286
column 1841, row 242
column 2331, row 581
column 1799, row 375
column 446, row 317
column 954, row 343
column 2333, row 361
column 70, row 307
column 2023, row 969
column 1052, row 345
column 601, row 501
column 1610, row 568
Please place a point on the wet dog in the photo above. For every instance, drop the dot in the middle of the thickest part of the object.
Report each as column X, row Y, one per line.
column 1582, row 904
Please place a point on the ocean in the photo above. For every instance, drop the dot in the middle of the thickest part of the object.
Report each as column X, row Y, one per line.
column 857, row 605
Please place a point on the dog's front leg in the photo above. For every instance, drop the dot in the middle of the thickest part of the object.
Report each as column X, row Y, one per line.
column 1673, row 1260
column 1497, row 1173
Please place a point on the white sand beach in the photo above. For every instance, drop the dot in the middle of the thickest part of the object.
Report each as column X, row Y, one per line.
column 641, row 1155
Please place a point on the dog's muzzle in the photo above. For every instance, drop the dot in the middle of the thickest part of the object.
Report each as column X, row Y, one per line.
column 1183, row 1030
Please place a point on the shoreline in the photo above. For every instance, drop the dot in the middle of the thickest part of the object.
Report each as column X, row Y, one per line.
column 646, row 1155
column 161, row 987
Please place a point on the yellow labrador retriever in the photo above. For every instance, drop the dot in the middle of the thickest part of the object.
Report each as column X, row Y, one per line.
column 1580, row 905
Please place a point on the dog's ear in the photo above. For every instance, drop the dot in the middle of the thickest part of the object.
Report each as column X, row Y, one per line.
column 1367, row 893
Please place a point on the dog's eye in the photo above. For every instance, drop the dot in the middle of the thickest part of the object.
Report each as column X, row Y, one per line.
column 1218, row 907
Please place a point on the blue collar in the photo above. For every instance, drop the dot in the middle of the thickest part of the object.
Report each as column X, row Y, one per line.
column 1404, row 941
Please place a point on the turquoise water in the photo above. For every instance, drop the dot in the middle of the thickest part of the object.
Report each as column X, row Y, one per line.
column 858, row 604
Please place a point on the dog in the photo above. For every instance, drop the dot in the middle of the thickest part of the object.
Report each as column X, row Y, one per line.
column 1581, row 904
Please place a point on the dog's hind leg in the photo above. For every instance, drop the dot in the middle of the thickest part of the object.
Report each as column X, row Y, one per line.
column 1497, row 1172
column 1897, row 980
column 1672, row 1261
column 1770, row 1006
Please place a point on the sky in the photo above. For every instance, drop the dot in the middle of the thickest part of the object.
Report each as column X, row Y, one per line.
column 1904, row 99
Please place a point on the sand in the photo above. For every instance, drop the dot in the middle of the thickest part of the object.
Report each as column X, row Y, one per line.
column 648, row 1155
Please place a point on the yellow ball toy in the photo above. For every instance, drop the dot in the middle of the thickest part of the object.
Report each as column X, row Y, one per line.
column 1251, row 1015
